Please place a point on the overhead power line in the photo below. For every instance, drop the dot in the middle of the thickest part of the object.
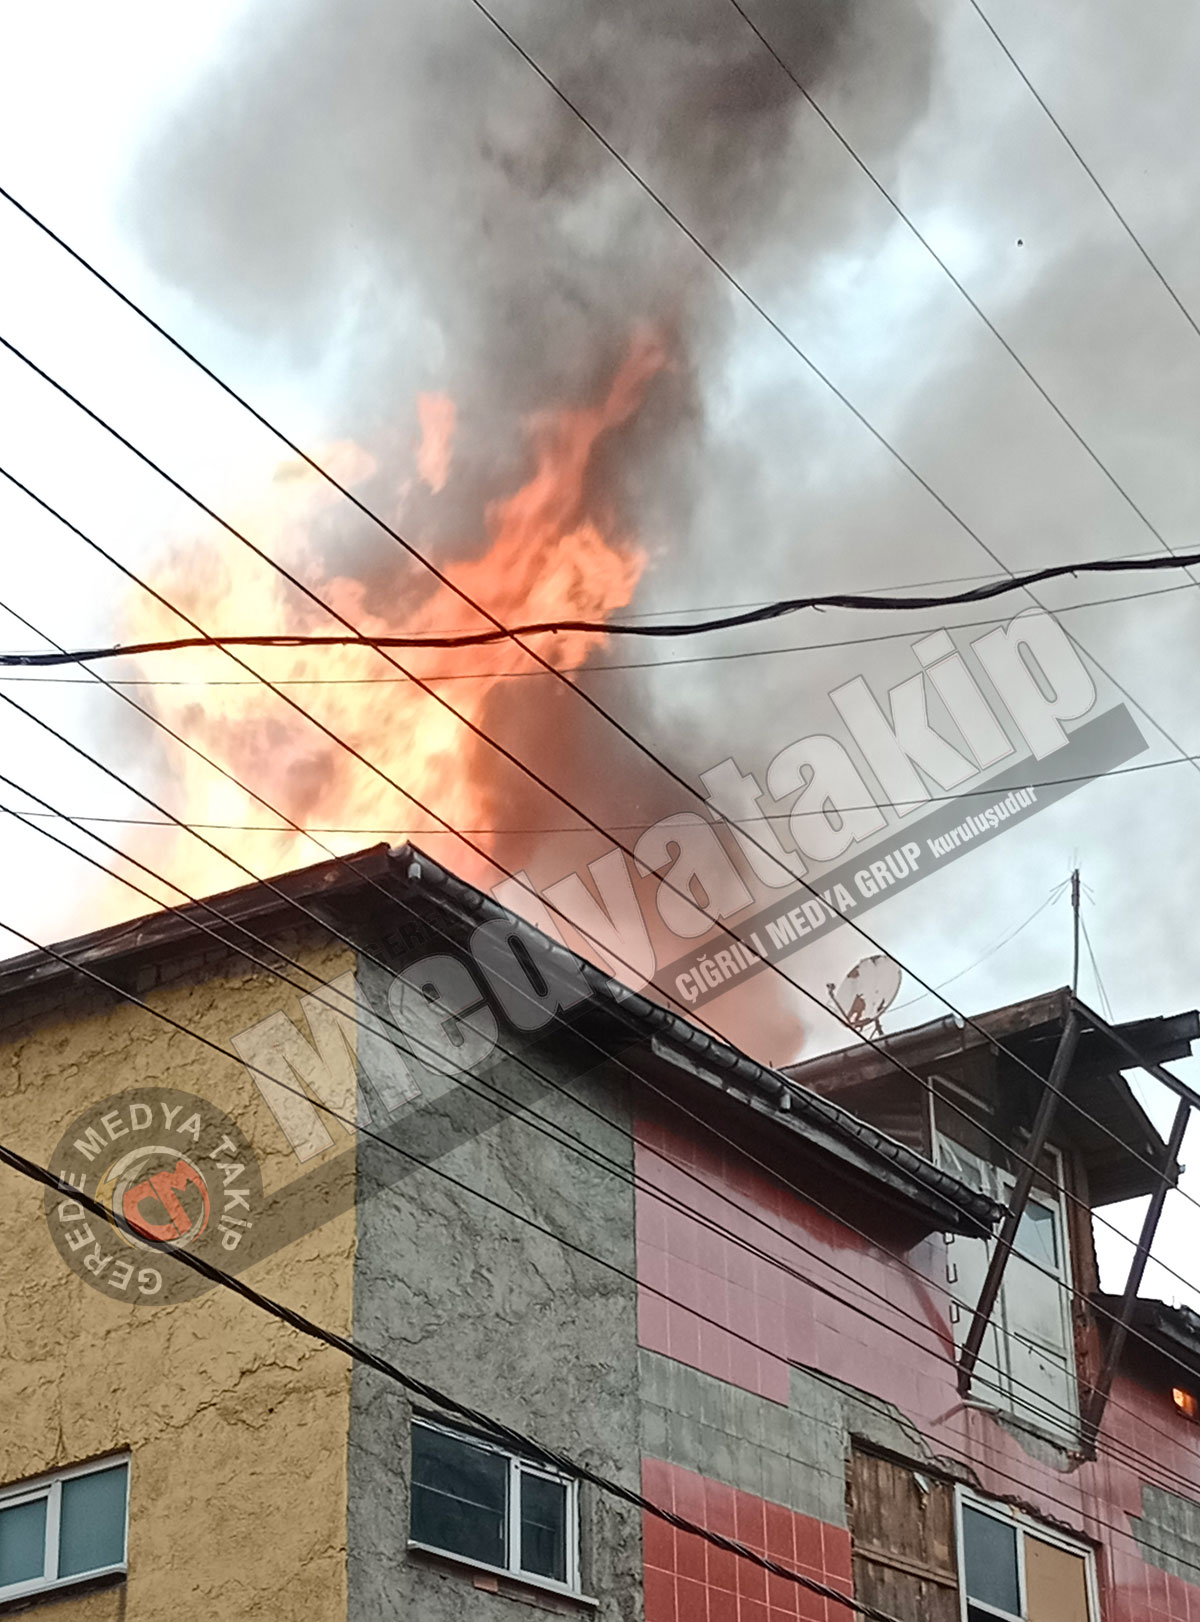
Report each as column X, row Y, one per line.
column 450, row 1405
column 457, row 590
column 589, row 668
column 1087, row 169
column 848, row 147
column 464, row 596
column 346, row 940
column 903, row 806
column 657, row 1193
column 540, row 1125
column 857, row 1033
column 478, row 639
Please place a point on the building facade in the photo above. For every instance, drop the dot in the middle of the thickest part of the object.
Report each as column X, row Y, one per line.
column 378, row 1098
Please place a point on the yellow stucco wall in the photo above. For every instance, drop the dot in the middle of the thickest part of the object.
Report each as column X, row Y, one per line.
column 237, row 1425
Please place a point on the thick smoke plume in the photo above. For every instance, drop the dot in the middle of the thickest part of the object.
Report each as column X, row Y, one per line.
column 390, row 193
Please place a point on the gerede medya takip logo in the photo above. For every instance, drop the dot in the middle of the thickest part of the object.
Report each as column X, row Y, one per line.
column 173, row 1169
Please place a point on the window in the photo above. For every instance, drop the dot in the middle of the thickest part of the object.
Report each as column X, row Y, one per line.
column 1015, row 1571
column 63, row 1528
column 473, row 1500
column 1186, row 1402
column 1027, row 1360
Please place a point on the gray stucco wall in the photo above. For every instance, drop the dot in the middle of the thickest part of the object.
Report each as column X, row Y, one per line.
column 497, row 1314
column 1168, row 1533
column 795, row 1455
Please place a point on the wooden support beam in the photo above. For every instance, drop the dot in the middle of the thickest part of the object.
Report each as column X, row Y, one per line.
column 1043, row 1121
column 1119, row 1331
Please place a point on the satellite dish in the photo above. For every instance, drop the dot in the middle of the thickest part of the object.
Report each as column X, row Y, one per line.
column 868, row 991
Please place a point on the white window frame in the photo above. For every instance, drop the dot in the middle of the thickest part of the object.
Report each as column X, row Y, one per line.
column 49, row 1487
column 999, row 1184
column 1020, row 1523
column 517, row 1467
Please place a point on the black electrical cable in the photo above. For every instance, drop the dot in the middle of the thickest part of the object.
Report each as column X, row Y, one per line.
column 831, row 1009
column 475, row 639
column 515, row 1439
column 580, row 1250
column 412, row 551
column 619, row 827
column 1087, row 169
column 501, row 749
column 465, row 597
column 786, row 68
column 567, row 1139
column 589, row 669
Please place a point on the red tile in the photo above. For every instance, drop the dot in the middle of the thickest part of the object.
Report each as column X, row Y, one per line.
column 719, row 1513
column 689, row 1496
column 781, row 1541
column 658, row 1481
column 681, row 1241
column 652, row 1267
column 835, row 1543
column 814, row 1608
column 809, row 1550
column 691, row 1600
column 743, row 1365
column 750, row 1519
column 722, row 1606
column 722, row 1569
column 752, row 1582
column 749, row 1610
column 691, row 1556
column 658, row 1543
column 774, row 1380
column 651, row 1221
column 715, row 1356
column 781, row 1595
column 659, row 1590
column 683, row 1337
column 711, row 1250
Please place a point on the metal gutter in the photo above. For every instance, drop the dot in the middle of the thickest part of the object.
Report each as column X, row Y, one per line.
column 875, row 1152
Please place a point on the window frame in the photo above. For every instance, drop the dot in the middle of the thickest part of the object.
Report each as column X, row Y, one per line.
column 49, row 1487
column 1005, row 1392
column 517, row 1468
column 1020, row 1524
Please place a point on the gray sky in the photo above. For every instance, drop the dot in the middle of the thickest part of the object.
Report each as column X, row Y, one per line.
column 338, row 223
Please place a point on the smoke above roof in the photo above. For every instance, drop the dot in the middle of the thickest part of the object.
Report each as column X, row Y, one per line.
column 391, row 195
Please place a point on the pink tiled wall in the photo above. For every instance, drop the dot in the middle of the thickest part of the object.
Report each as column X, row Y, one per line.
column 688, row 1580
column 748, row 1318
column 1142, row 1593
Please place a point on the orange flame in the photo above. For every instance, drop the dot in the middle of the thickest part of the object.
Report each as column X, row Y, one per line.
column 549, row 557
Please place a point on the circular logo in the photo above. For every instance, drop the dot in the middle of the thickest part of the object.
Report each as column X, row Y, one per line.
column 172, row 1169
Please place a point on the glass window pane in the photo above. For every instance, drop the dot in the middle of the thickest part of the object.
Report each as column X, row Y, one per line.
column 990, row 1560
column 459, row 1496
column 543, row 1526
column 1037, row 1235
column 23, row 1542
column 92, row 1531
